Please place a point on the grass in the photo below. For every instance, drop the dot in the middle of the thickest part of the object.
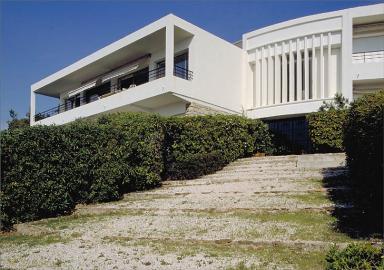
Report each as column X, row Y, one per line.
column 65, row 222
column 268, row 255
column 242, row 266
column 31, row 240
column 307, row 224
column 312, row 198
column 141, row 196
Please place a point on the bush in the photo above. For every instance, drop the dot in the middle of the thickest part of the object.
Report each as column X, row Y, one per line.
column 46, row 170
column 363, row 141
column 36, row 180
column 326, row 130
column 200, row 145
column 355, row 256
column 142, row 150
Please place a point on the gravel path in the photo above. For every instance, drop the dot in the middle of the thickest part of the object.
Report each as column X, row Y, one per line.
column 258, row 213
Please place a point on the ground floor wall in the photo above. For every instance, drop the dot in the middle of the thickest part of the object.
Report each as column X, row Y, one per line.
column 198, row 109
column 292, row 132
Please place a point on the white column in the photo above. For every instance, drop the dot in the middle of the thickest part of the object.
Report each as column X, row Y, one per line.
column 264, row 78
column 329, row 51
column 284, row 82
column 277, row 89
column 306, row 71
column 321, row 66
column 257, row 78
column 169, row 50
column 254, row 97
column 298, row 70
column 32, row 109
column 291, row 73
column 270, row 77
column 314, row 75
column 346, row 55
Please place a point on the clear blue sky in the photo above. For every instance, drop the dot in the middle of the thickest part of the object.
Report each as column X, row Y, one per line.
column 40, row 37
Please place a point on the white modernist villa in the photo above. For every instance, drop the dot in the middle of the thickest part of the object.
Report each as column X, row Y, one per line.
column 173, row 67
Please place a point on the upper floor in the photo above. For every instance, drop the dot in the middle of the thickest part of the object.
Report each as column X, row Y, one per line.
column 295, row 65
column 286, row 69
column 160, row 68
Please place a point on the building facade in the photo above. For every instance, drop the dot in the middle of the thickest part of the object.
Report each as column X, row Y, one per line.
column 173, row 67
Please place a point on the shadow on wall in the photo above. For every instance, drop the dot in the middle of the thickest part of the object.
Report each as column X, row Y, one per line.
column 351, row 218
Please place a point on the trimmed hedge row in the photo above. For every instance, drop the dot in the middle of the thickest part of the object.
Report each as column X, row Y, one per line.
column 326, row 130
column 363, row 142
column 47, row 170
column 200, row 145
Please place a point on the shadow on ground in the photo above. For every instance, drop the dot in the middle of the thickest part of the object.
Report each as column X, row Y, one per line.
column 352, row 219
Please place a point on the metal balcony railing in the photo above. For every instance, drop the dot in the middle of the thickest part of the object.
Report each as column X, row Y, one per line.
column 183, row 73
column 368, row 57
column 79, row 101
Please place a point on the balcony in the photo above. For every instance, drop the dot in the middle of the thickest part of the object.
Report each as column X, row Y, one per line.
column 368, row 57
column 368, row 65
column 106, row 90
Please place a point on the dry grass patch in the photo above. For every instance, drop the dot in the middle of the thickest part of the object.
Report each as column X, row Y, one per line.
column 15, row 239
column 264, row 256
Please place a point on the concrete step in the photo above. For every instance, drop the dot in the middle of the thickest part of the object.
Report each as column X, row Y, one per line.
column 273, row 175
column 263, row 162
column 277, row 170
column 258, row 168
column 277, row 175
column 302, row 161
column 270, row 158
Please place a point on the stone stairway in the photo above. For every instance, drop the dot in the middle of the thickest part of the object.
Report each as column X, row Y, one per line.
column 282, row 167
column 265, row 212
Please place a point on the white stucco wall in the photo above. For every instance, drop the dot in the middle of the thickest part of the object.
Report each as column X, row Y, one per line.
column 329, row 37
column 217, row 69
column 110, row 103
column 295, row 61
column 259, row 77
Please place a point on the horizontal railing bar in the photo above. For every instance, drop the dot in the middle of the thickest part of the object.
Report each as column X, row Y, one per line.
column 152, row 74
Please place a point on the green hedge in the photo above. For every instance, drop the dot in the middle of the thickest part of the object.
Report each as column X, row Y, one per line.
column 364, row 146
column 200, row 145
column 142, row 148
column 46, row 170
column 326, row 130
column 355, row 256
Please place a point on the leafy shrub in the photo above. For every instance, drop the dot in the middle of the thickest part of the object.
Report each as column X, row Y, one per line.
column 46, row 170
column 15, row 122
column 363, row 141
column 143, row 137
column 355, row 256
column 200, row 145
column 36, row 181
column 326, row 130
column 338, row 103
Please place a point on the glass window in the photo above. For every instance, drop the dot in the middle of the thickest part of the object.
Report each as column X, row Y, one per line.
column 72, row 102
column 96, row 92
column 182, row 61
column 134, row 79
column 181, row 66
